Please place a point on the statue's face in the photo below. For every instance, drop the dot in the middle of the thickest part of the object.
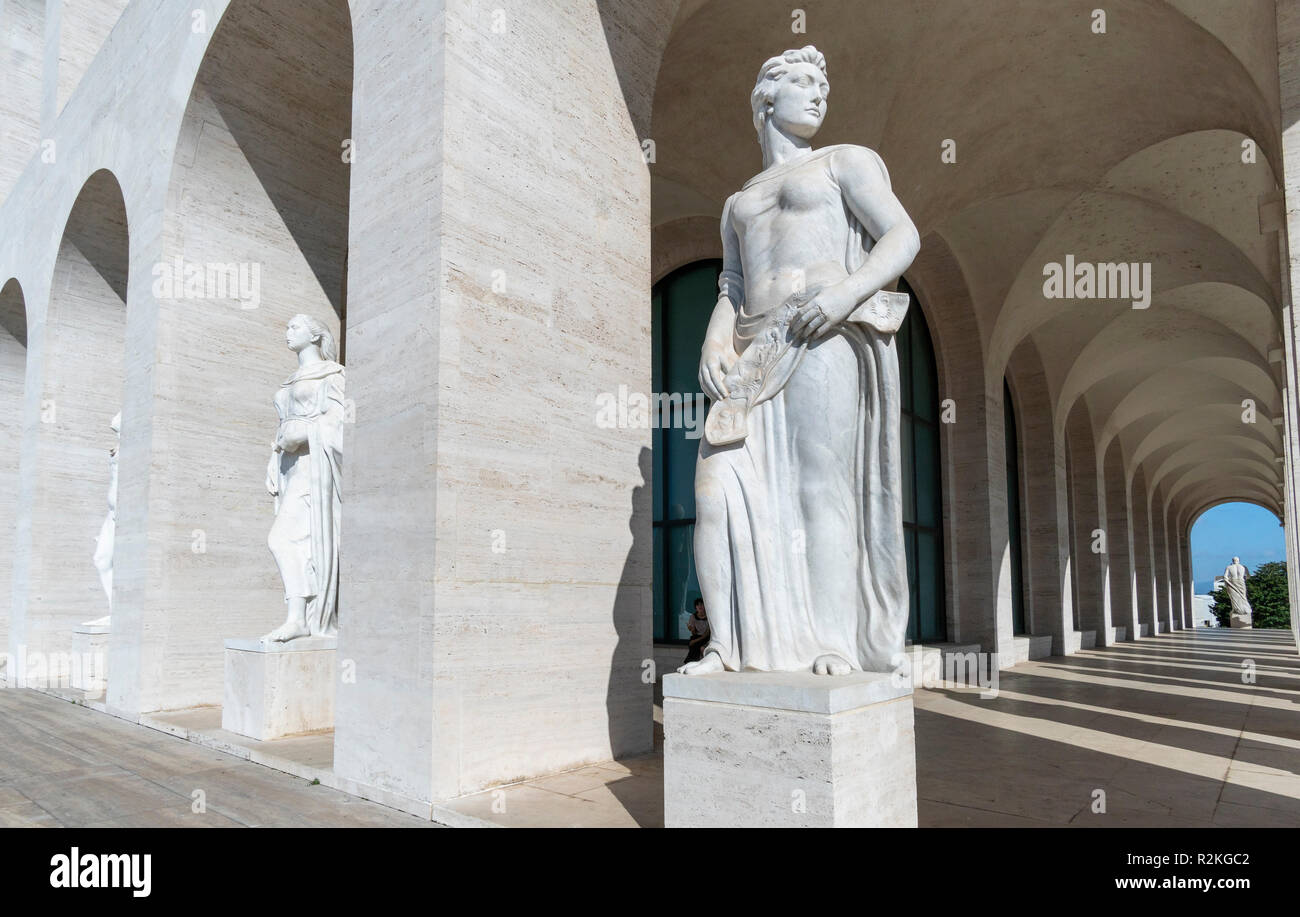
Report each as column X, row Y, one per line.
column 799, row 103
column 297, row 335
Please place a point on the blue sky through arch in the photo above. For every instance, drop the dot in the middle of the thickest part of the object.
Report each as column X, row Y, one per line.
column 1242, row 529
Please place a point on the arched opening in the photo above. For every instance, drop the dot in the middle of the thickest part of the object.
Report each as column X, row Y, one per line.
column 681, row 304
column 1227, row 530
column 927, row 620
column 57, row 586
column 13, row 370
column 1014, row 512
column 680, row 307
column 256, row 231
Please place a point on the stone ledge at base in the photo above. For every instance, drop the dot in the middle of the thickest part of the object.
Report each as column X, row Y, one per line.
column 789, row 749
column 1029, row 647
column 279, row 689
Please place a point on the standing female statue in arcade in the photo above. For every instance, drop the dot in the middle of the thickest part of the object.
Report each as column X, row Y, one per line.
column 304, row 475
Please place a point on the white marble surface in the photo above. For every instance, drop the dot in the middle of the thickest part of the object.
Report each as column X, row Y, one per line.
column 275, row 689
column 799, row 360
column 1234, row 581
column 89, row 671
column 749, row 760
column 798, row 691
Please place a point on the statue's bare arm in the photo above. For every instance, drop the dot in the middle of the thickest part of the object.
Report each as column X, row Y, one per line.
column 866, row 190
column 719, row 355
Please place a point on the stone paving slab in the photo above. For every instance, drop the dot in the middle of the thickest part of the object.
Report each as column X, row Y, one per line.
column 62, row 764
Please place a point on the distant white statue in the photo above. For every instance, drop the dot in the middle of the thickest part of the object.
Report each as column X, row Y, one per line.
column 1234, row 581
column 798, row 486
column 304, row 474
column 108, row 531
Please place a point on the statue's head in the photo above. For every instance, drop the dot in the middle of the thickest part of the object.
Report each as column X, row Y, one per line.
column 303, row 331
column 791, row 91
column 1236, row 560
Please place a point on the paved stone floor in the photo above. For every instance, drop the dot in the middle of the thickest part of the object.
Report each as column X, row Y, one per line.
column 1165, row 727
column 67, row 765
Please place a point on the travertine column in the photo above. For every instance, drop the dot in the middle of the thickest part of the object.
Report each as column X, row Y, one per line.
column 1047, row 561
column 1143, row 565
column 1288, row 54
column 496, row 602
column 1119, row 542
column 1160, row 553
column 974, row 472
column 1090, row 567
column 13, row 366
column 22, row 31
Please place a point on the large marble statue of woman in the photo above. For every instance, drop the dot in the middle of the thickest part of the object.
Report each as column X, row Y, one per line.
column 798, row 488
column 304, row 475
column 1234, row 581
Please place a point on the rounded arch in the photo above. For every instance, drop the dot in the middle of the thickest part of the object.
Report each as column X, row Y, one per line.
column 1237, row 529
column 255, row 231
column 73, row 390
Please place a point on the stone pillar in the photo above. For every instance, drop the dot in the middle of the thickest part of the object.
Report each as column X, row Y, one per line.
column 1090, row 567
column 13, row 367
column 974, row 456
column 1181, row 573
column 1119, row 540
column 1143, row 566
column 1047, row 561
column 1288, row 65
column 22, row 29
column 1160, row 553
column 498, row 619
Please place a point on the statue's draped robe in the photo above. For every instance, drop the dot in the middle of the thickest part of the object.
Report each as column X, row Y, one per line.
column 1234, row 581
column 305, row 537
column 767, row 612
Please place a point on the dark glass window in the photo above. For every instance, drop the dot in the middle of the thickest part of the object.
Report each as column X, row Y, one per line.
column 1013, row 510
column 681, row 306
column 927, row 620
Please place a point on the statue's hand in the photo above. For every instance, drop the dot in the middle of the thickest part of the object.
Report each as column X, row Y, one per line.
column 272, row 473
column 821, row 314
column 716, row 360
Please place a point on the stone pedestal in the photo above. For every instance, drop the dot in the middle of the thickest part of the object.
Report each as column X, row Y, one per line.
column 788, row 749
column 279, row 689
column 89, row 671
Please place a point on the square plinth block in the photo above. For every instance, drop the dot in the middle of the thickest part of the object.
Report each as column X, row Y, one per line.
column 89, row 671
column 789, row 750
column 279, row 689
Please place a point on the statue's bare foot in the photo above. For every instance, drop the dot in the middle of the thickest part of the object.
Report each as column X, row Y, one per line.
column 289, row 630
column 711, row 662
column 830, row 664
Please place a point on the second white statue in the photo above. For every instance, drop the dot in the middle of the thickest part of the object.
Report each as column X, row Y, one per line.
column 304, row 474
